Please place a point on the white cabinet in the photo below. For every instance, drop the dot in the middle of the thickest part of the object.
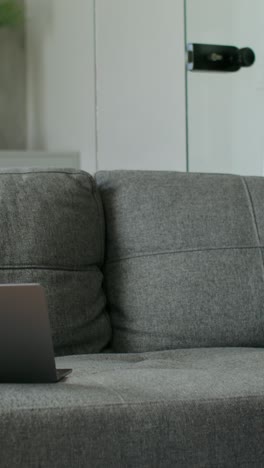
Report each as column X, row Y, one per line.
column 140, row 88
column 107, row 78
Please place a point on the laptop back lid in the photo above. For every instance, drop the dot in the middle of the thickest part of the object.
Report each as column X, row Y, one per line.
column 26, row 349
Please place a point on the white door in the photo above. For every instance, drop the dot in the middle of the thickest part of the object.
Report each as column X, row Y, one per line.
column 225, row 110
column 140, row 84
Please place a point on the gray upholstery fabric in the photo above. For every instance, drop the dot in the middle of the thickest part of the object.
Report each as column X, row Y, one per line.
column 192, row 408
column 52, row 232
column 184, row 264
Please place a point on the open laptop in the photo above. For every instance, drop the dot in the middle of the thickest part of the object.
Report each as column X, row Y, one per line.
column 26, row 349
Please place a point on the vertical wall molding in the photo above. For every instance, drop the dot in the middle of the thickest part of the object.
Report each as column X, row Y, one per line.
column 95, row 87
column 186, row 84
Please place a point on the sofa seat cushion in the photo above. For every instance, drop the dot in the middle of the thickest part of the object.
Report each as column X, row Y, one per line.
column 52, row 233
column 183, row 408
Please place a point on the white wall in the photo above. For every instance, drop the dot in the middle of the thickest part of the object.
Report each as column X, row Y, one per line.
column 107, row 77
column 61, row 96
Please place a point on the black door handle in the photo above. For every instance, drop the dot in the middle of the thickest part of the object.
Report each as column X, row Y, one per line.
column 221, row 58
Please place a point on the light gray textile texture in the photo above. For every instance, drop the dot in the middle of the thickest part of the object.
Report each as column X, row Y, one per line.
column 184, row 263
column 192, row 408
column 52, row 233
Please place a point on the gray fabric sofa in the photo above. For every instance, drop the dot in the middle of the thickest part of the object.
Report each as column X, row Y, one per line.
column 154, row 283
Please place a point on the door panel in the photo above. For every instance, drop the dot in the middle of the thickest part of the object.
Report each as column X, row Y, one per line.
column 225, row 110
column 140, row 68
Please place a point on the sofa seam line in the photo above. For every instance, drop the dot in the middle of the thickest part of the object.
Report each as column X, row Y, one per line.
column 254, row 220
column 101, row 223
column 251, row 208
column 169, row 252
column 49, row 268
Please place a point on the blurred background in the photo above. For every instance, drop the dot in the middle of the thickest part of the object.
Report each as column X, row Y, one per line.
column 108, row 79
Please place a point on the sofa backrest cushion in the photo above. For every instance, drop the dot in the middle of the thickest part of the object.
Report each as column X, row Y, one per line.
column 184, row 259
column 52, row 233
